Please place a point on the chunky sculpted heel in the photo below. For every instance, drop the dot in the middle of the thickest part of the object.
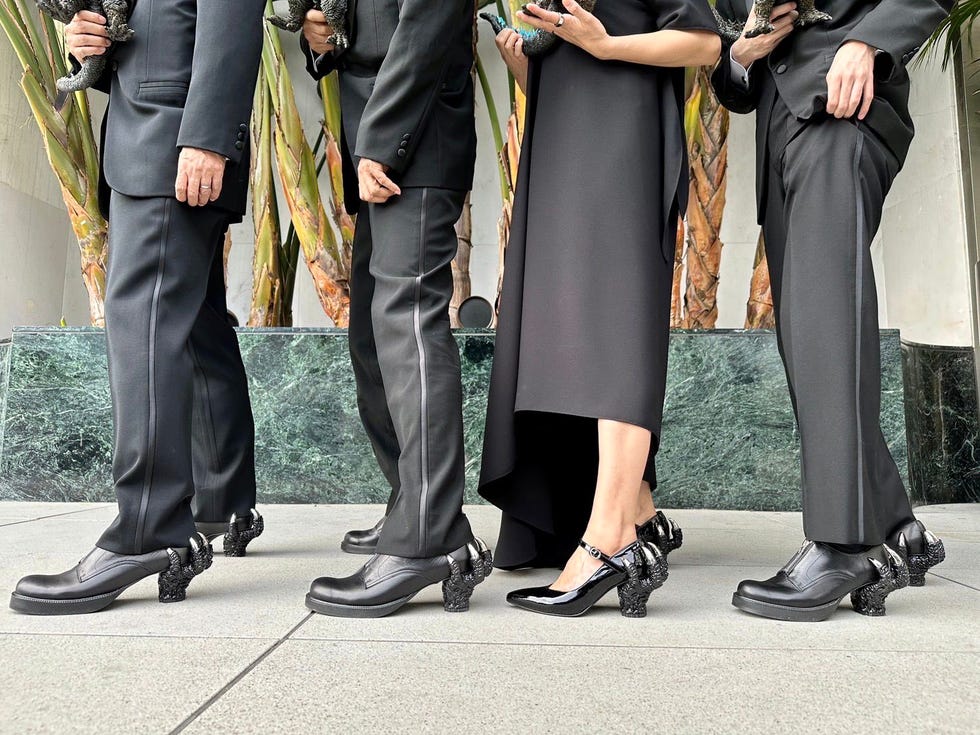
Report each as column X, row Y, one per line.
column 646, row 571
column 237, row 538
column 870, row 599
column 173, row 581
column 458, row 588
column 934, row 553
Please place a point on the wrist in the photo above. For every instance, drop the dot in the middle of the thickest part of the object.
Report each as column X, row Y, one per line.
column 740, row 57
column 606, row 48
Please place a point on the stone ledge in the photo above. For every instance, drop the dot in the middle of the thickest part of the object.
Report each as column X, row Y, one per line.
column 729, row 438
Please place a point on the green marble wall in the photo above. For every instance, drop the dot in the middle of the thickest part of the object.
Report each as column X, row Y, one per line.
column 729, row 437
column 4, row 372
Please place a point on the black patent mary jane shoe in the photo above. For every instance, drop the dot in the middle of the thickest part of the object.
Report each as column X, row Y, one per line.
column 815, row 581
column 363, row 542
column 662, row 532
column 238, row 532
column 98, row 579
column 921, row 549
column 636, row 572
column 386, row 583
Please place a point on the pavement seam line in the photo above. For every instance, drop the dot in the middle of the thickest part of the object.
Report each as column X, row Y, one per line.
column 55, row 515
column 241, row 675
column 955, row 581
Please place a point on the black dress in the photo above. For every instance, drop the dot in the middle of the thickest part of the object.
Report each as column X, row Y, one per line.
column 585, row 308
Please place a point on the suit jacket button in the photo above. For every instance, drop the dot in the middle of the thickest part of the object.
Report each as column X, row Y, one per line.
column 114, row 66
column 240, row 145
column 243, row 128
column 402, row 153
column 407, row 137
column 241, row 136
column 781, row 69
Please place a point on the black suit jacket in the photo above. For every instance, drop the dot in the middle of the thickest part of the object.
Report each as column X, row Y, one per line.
column 797, row 68
column 407, row 91
column 187, row 79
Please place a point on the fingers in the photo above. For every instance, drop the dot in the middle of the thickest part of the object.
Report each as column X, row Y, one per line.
column 781, row 11
column 573, row 8
column 855, row 95
column 387, row 183
column 88, row 15
column 869, row 96
column 194, row 187
column 180, row 188
column 316, row 16
column 215, row 189
column 833, row 94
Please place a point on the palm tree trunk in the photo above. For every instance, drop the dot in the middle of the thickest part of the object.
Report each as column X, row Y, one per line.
column 759, row 310
column 677, row 287
column 709, row 180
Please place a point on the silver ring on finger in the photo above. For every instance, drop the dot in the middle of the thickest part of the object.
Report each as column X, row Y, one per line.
column 561, row 20
column 205, row 188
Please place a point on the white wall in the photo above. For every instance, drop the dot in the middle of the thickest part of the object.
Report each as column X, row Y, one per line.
column 921, row 256
column 37, row 247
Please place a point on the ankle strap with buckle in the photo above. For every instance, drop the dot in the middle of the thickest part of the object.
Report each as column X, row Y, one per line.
column 598, row 555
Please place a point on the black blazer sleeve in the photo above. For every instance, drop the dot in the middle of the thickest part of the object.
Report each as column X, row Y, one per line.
column 731, row 92
column 899, row 28
column 409, row 80
column 683, row 15
column 317, row 66
column 227, row 52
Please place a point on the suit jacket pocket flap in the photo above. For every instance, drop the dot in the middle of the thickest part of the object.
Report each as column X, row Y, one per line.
column 164, row 92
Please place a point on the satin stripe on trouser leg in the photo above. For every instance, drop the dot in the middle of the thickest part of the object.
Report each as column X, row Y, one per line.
column 414, row 243
column 160, row 259
column 826, row 192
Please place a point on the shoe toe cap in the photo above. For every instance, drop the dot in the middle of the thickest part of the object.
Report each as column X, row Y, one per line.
column 35, row 585
column 753, row 589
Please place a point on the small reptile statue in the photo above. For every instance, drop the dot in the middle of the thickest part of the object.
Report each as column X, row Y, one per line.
column 732, row 30
column 116, row 13
column 335, row 11
column 536, row 42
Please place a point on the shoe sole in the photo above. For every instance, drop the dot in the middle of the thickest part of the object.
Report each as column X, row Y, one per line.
column 349, row 548
column 337, row 610
column 82, row 606
column 784, row 612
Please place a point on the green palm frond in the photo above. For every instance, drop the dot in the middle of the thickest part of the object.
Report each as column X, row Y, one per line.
column 953, row 32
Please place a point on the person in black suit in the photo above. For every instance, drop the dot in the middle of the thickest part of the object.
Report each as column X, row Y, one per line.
column 410, row 150
column 833, row 131
column 175, row 169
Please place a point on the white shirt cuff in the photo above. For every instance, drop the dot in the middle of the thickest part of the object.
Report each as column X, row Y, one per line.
column 738, row 71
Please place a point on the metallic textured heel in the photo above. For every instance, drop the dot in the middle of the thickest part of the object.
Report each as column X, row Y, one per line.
column 174, row 581
column 870, row 599
column 919, row 564
column 647, row 571
column 236, row 540
column 458, row 589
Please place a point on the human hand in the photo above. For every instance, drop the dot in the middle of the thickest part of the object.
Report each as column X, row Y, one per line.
column 200, row 175
column 577, row 26
column 851, row 81
column 317, row 31
column 373, row 182
column 510, row 43
column 86, row 35
column 747, row 51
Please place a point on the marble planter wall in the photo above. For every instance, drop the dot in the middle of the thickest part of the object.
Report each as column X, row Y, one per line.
column 943, row 423
column 729, row 437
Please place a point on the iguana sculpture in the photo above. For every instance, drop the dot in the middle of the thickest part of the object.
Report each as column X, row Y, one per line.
column 335, row 11
column 536, row 42
column 732, row 30
column 116, row 13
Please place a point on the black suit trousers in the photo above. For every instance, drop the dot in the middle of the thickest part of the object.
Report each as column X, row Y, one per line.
column 181, row 411
column 407, row 368
column 827, row 180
